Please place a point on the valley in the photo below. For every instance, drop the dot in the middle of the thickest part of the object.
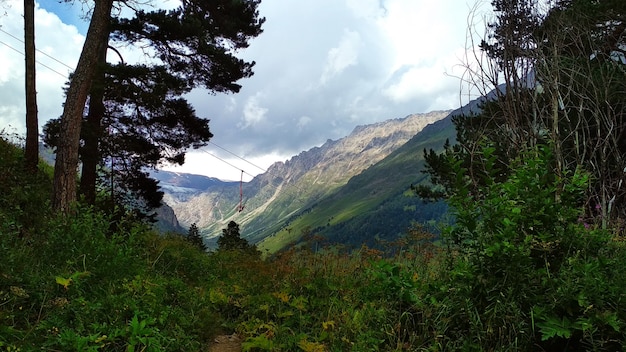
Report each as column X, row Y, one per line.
column 336, row 187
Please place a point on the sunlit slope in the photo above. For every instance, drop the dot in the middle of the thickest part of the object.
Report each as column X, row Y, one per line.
column 374, row 204
column 296, row 186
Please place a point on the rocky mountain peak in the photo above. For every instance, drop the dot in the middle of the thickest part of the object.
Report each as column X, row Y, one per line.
column 339, row 159
column 291, row 186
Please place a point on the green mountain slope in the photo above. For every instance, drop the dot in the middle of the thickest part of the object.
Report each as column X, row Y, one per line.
column 374, row 204
column 317, row 176
column 291, row 188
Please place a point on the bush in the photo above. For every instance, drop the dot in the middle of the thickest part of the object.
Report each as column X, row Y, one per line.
column 524, row 271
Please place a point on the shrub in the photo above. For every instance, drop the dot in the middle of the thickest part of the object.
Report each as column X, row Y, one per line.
column 524, row 270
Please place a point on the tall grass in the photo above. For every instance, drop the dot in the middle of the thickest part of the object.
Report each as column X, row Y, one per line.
column 98, row 282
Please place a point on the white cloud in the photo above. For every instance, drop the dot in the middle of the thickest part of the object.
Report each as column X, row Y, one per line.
column 60, row 42
column 303, row 121
column 322, row 67
column 253, row 113
column 371, row 60
column 12, row 120
column 213, row 162
column 415, row 81
column 427, row 38
column 419, row 30
column 342, row 56
column 358, row 107
column 366, row 9
column 7, row 71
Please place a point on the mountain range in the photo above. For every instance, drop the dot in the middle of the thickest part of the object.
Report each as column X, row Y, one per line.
column 352, row 191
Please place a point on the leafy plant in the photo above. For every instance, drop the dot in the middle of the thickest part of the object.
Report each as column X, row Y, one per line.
column 517, row 270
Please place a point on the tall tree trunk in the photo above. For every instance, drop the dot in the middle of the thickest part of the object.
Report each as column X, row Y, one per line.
column 32, row 126
column 93, row 130
column 65, row 167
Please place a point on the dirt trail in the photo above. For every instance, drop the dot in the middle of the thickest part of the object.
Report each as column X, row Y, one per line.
column 226, row 343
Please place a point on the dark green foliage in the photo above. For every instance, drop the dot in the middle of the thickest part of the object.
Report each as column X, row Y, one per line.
column 533, row 277
column 511, row 34
column 24, row 194
column 193, row 236
column 516, row 250
column 147, row 121
column 145, row 125
column 524, row 266
column 532, row 182
column 137, row 118
column 386, row 223
column 90, row 289
column 592, row 104
column 94, row 281
column 475, row 130
column 231, row 240
column 210, row 30
column 567, row 94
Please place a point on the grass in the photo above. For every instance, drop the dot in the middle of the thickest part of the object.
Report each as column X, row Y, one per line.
column 94, row 281
column 98, row 282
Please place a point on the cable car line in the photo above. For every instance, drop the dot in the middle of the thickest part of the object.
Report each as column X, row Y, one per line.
column 39, row 62
column 22, row 41
column 237, row 156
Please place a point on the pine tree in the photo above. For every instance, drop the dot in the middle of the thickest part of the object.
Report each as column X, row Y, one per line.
column 31, row 149
column 231, row 240
column 137, row 118
column 193, row 236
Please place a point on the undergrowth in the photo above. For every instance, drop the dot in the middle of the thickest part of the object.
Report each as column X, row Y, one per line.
column 516, row 272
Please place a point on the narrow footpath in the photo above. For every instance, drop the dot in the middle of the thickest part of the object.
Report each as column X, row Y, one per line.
column 226, row 343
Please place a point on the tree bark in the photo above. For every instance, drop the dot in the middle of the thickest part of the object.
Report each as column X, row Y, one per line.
column 93, row 130
column 65, row 167
column 32, row 126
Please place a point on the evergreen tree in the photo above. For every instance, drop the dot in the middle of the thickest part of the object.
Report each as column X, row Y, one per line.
column 31, row 149
column 193, row 236
column 544, row 148
column 231, row 240
column 583, row 74
column 136, row 118
column 66, row 162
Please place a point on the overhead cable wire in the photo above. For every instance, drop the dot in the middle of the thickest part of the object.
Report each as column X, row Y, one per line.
column 71, row 68
column 50, row 56
column 240, row 169
column 226, row 162
column 62, row 63
column 241, row 202
column 268, row 172
column 39, row 62
column 237, row 156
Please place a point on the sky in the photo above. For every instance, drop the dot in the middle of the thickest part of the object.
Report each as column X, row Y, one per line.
column 322, row 68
